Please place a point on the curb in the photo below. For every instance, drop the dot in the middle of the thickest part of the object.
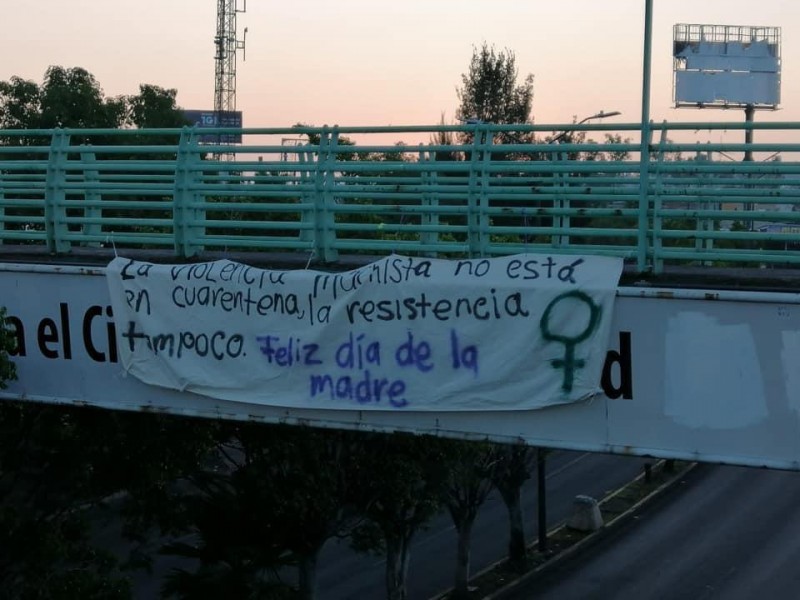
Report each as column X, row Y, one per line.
column 590, row 539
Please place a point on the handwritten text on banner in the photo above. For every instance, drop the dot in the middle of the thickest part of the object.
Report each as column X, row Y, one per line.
column 511, row 333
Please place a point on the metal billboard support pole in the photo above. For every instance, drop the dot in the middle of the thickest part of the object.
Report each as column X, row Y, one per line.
column 749, row 113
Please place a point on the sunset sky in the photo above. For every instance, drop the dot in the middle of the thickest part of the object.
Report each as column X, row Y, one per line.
column 370, row 62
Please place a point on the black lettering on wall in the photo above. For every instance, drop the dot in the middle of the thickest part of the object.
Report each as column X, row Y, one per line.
column 65, row 331
column 96, row 353
column 111, row 335
column 92, row 350
column 17, row 331
column 624, row 360
column 47, row 333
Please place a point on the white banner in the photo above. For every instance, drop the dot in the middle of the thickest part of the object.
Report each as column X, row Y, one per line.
column 511, row 333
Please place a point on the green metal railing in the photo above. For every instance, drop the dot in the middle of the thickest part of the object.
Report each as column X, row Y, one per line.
column 478, row 190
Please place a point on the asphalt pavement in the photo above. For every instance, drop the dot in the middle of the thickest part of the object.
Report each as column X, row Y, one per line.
column 729, row 533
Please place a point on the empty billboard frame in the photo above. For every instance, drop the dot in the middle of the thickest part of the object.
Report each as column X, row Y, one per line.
column 726, row 66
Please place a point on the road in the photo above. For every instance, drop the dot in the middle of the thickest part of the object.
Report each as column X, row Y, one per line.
column 344, row 575
column 730, row 533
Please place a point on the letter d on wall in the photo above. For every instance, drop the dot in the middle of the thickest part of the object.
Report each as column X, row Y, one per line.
column 623, row 359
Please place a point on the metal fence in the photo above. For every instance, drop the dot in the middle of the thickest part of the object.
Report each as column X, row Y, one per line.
column 675, row 193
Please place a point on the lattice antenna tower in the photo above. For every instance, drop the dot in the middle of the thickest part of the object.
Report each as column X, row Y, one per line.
column 227, row 44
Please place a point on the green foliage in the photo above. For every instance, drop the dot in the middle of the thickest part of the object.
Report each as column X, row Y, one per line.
column 58, row 465
column 512, row 466
column 406, row 480
column 72, row 97
column 511, row 469
column 239, row 539
column 276, row 496
column 154, row 106
column 663, row 153
column 7, row 369
column 315, row 138
column 46, row 485
column 20, row 104
column 490, row 93
column 315, row 477
column 66, row 98
column 469, row 478
column 224, row 581
column 51, row 558
column 580, row 137
column 445, row 138
column 616, row 155
column 468, row 484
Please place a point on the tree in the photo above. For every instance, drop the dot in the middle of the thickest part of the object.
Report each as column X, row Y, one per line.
column 238, row 540
column 444, row 138
column 511, row 470
column 616, row 155
column 7, row 370
column 58, row 468
column 20, row 104
column 284, row 491
column 468, row 484
column 44, row 546
column 490, row 94
column 45, row 483
column 154, row 106
column 405, row 481
column 58, row 463
column 73, row 98
column 580, row 137
column 316, row 479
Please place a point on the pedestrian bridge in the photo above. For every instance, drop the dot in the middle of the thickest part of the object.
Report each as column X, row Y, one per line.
column 703, row 342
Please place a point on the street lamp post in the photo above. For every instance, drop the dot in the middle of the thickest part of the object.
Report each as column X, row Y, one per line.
column 563, row 220
column 599, row 115
column 541, row 455
column 602, row 115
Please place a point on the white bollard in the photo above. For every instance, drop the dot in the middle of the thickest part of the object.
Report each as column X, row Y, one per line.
column 585, row 514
